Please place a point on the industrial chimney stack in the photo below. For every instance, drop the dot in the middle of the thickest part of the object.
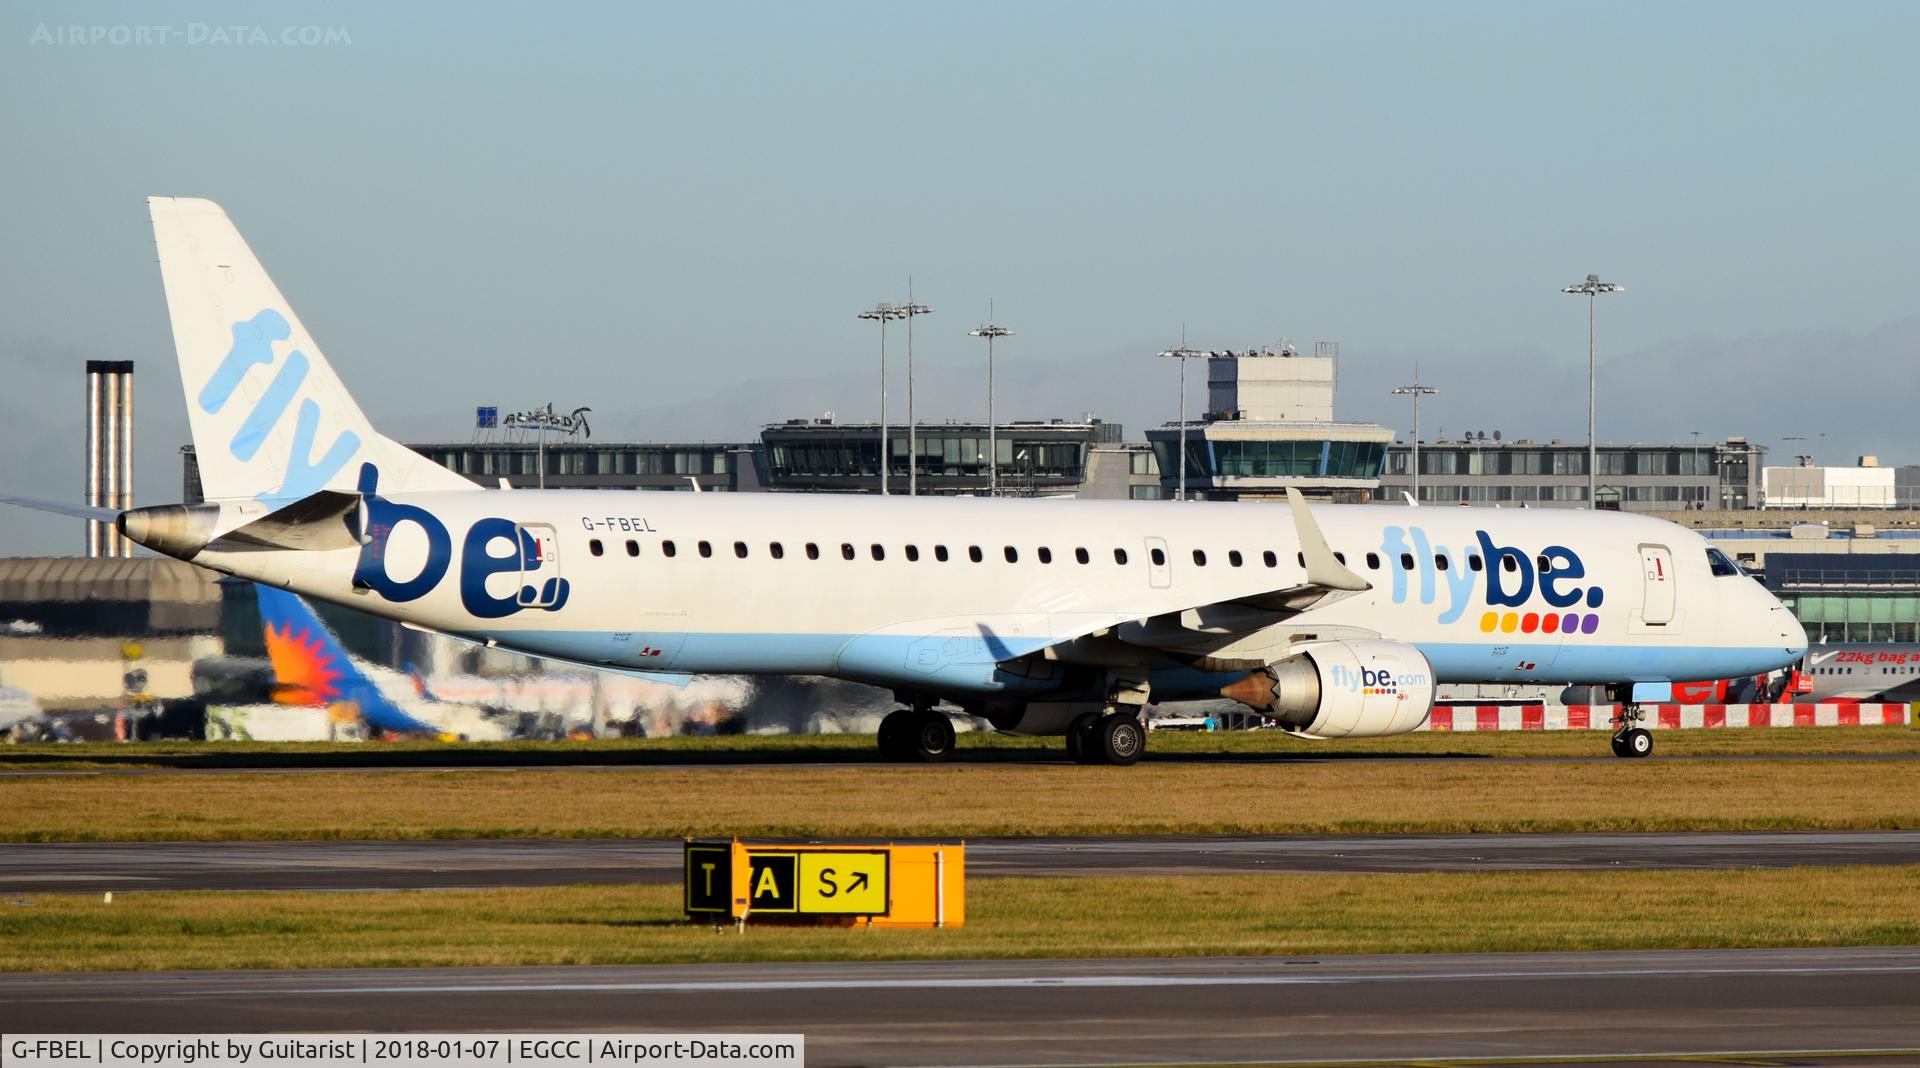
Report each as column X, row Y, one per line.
column 109, row 451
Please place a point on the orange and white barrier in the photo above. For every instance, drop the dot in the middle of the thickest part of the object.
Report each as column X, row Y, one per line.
column 1538, row 717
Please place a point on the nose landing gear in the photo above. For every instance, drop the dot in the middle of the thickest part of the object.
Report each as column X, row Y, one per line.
column 1630, row 740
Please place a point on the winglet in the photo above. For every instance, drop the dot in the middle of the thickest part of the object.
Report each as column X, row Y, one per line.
column 1323, row 569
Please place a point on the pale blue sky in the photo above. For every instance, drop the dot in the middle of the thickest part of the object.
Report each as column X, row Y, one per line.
column 673, row 213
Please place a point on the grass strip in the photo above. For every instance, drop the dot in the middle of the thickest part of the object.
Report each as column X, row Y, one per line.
column 1086, row 917
column 962, row 800
column 984, row 747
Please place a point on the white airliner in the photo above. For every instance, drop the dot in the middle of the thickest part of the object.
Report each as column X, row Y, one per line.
column 1044, row 616
column 1862, row 671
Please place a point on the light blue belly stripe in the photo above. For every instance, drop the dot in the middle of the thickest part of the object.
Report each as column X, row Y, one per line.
column 968, row 664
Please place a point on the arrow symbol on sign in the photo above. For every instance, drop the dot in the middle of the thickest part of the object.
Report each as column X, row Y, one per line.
column 859, row 882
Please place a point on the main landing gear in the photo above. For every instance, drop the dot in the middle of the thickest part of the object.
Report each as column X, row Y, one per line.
column 1115, row 737
column 918, row 734
column 1630, row 740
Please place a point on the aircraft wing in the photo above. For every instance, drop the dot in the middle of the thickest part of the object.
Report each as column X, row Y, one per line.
column 1217, row 623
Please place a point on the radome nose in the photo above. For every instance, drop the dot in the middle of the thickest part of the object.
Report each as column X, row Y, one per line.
column 1777, row 626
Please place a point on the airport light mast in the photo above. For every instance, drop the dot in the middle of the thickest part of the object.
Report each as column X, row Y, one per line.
column 1592, row 287
column 1181, row 354
column 991, row 331
column 1416, row 391
column 883, row 313
column 909, row 311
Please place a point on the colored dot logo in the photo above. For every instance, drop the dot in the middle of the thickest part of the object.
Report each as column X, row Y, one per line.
column 1533, row 622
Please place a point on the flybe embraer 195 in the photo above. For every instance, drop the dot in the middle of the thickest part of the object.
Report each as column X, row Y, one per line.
column 1058, row 617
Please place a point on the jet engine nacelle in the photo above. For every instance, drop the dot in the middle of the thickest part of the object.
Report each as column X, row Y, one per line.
column 1343, row 689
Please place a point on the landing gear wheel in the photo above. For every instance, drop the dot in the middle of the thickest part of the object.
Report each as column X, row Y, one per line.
column 931, row 737
column 894, row 729
column 1082, row 746
column 1122, row 739
column 1637, row 742
column 1619, row 746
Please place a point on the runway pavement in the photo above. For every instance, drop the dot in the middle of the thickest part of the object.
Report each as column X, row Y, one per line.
column 58, row 765
column 96, row 867
column 1048, row 1012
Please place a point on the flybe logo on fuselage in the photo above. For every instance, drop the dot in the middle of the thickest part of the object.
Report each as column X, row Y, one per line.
column 1511, row 589
column 524, row 556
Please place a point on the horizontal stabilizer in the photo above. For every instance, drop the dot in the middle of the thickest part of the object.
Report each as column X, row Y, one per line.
column 77, row 511
column 328, row 519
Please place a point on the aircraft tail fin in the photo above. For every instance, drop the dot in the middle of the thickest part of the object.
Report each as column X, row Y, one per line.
column 311, row 667
column 270, row 419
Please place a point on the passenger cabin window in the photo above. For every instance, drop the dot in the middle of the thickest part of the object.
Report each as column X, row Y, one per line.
column 740, row 549
column 1159, row 558
column 913, row 552
column 1081, row 555
column 1269, row 559
column 667, row 549
column 1120, row 556
column 1509, row 562
column 1012, row 554
column 1373, row 561
column 813, row 551
column 1473, row 561
column 1199, row 558
column 879, row 551
column 973, row 553
column 1342, row 557
column 594, row 546
column 1718, row 563
column 1406, row 561
column 775, row 550
column 633, row 547
column 1045, row 554
column 706, row 548
column 1301, row 557
column 846, row 550
column 1545, row 564
column 940, row 553
column 1439, row 561
column 1233, row 557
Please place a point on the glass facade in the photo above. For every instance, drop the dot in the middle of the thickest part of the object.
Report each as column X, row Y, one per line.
column 1239, row 458
column 1849, row 597
column 1650, row 477
column 488, row 461
column 942, row 456
column 1857, row 617
column 952, row 457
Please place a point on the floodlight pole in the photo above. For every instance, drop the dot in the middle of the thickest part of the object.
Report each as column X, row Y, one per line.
column 909, row 311
column 881, row 313
column 1592, row 287
column 1181, row 354
column 991, row 331
column 1416, row 391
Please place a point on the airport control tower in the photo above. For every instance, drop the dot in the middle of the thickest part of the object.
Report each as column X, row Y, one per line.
column 1269, row 426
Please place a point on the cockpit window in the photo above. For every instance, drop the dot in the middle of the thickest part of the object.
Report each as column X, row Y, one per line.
column 1720, row 565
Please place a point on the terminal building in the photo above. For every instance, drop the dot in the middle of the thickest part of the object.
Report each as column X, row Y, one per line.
column 1056, row 457
column 1269, row 426
column 1656, row 477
